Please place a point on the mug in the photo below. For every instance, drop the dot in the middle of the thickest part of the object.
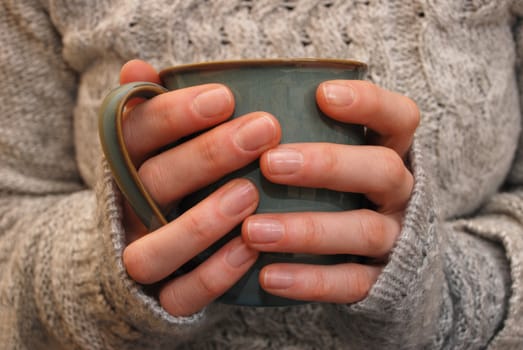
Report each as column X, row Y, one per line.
column 285, row 88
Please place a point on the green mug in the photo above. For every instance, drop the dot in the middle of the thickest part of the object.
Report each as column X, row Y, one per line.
column 283, row 87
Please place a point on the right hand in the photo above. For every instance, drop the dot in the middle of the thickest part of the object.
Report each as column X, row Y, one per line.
column 174, row 173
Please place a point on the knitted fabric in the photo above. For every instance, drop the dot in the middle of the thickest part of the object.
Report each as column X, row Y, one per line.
column 454, row 279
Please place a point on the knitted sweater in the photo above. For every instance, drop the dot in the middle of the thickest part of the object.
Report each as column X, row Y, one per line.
column 454, row 279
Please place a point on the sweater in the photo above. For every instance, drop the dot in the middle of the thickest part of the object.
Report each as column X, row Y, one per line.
column 454, row 279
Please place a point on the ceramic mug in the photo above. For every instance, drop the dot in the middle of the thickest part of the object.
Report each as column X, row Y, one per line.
column 283, row 87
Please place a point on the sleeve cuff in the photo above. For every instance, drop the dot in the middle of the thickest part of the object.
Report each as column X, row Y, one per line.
column 397, row 301
column 129, row 297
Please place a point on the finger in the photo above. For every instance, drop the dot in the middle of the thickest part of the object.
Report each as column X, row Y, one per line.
column 168, row 117
column 392, row 116
column 191, row 292
column 359, row 232
column 344, row 283
column 160, row 253
column 378, row 172
column 208, row 157
column 137, row 70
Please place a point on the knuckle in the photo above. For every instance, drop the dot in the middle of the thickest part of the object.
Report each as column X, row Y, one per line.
column 137, row 263
column 312, row 233
column 393, row 169
column 209, row 152
column 131, row 135
column 330, row 159
column 372, row 98
column 320, row 287
column 152, row 175
column 172, row 301
column 414, row 116
column 359, row 284
column 200, row 228
column 209, row 285
column 373, row 232
column 170, row 122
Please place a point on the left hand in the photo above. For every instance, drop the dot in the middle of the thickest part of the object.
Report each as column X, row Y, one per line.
column 376, row 170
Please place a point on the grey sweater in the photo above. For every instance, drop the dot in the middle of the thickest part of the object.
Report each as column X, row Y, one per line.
column 455, row 277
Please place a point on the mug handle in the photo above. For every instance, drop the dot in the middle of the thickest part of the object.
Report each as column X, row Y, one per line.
column 111, row 137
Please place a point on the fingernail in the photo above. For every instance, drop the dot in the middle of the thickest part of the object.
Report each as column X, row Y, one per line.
column 337, row 94
column 264, row 230
column 212, row 102
column 277, row 279
column 239, row 255
column 284, row 161
column 255, row 134
column 238, row 197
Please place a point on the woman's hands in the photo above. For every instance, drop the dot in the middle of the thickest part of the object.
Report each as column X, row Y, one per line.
column 376, row 170
column 158, row 122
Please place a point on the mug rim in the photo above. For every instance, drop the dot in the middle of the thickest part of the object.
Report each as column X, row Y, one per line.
column 252, row 63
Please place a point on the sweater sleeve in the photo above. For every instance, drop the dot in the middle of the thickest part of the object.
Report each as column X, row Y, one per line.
column 449, row 284
column 61, row 275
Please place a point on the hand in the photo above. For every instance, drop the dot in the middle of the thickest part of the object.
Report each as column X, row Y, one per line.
column 158, row 122
column 376, row 170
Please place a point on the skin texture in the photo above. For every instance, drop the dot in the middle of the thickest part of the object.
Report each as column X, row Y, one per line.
column 377, row 170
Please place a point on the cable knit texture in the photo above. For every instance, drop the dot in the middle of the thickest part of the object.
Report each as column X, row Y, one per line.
column 454, row 279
